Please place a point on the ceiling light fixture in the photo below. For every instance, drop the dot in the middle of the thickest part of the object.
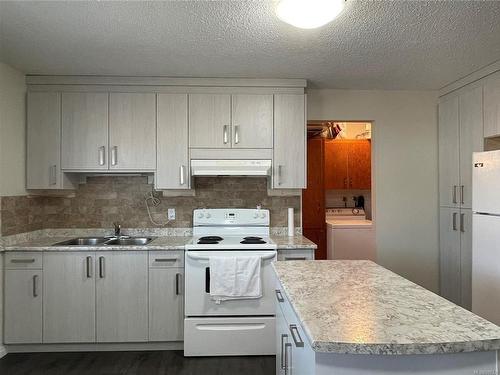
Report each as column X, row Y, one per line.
column 309, row 14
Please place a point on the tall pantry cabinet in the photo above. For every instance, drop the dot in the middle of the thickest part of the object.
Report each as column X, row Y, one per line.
column 460, row 134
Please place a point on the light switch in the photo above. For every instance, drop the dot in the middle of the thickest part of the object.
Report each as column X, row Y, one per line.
column 171, row 213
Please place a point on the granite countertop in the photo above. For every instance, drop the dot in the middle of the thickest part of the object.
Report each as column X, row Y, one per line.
column 359, row 307
column 295, row 242
column 46, row 243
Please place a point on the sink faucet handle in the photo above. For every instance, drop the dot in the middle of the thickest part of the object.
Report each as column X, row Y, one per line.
column 118, row 228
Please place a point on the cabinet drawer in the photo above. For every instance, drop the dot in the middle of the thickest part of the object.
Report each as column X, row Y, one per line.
column 301, row 254
column 166, row 259
column 23, row 260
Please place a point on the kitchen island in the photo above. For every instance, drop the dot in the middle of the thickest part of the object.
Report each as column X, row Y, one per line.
column 356, row 317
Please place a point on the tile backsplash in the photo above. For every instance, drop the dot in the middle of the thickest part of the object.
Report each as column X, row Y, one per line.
column 103, row 200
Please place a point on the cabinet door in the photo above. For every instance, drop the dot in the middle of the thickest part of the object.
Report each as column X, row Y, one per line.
column 471, row 139
column 84, row 130
column 166, row 304
column 122, row 296
column 336, row 163
column 449, row 180
column 318, row 236
column 289, row 142
column 172, row 171
column 132, row 131
column 360, row 165
column 69, row 297
column 313, row 198
column 252, row 118
column 43, row 141
column 209, row 121
column 449, row 243
column 23, row 307
column 466, row 257
column 282, row 339
column 492, row 106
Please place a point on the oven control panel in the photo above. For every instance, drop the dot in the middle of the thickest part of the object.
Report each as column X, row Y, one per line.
column 228, row 216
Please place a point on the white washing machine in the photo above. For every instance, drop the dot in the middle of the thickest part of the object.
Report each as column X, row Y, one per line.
column 349, row 234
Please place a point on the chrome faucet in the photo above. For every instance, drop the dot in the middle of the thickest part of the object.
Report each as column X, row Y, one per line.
column 118, row 229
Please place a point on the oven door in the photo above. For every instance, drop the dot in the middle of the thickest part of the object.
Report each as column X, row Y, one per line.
column 198, row 301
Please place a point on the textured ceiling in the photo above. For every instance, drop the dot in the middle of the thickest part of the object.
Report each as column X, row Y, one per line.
column 372, row 45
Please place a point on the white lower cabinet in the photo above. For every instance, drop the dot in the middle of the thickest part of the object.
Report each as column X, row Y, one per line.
column 295, row 254
column 166, row 304
column 456, row 255
column 122, row 296
column 69, row 297
column 294, row 354
column 23, row 306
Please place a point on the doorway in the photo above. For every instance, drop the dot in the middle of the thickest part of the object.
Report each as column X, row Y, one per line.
column 337, row 204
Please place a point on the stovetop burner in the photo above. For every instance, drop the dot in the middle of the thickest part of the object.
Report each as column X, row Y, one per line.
column 209, row 240
column 251, row 238
column 254, row 241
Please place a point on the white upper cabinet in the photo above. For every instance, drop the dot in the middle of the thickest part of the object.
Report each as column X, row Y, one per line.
column 132, row 131
column 471, row 139
column 492, row 106
column 209, row 121
column 172, row 170
column 289, row 166
column 449, row 157
column 43, row 139
column 252, row 120
column 84, row 131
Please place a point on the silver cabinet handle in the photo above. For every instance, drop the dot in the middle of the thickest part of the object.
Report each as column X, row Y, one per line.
column 102, row 155
column 236, row 134
column 279, row 296
column 165, row 259
column 455, row 221
column 288, row 347
column 181, row 175
column 454, row 194
column 53, row 174
column 295, row 258
column 30, row 260
column 114, row 155
column 225, row 134
column 280, row 167
column 462, row 188
column 283, row 337
column 35, row 286
column 89, row 267
column 178, row 283
column 296, row 339
column 462, row 223
column 102, row 269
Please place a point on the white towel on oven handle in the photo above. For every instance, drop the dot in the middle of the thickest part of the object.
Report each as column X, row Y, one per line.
column 235, row 278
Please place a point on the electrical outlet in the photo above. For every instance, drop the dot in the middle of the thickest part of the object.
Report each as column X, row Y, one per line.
column 171, row 213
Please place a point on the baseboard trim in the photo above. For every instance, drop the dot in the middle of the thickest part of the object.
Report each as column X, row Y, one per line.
column 27, row 348
column 3, row 351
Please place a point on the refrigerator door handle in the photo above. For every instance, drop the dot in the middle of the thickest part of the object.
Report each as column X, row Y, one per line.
column 455, row 221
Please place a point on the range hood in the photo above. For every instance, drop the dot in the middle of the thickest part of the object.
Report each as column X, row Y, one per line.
column 230, row 167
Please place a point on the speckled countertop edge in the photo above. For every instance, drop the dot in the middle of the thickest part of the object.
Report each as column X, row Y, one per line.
column 492, row 344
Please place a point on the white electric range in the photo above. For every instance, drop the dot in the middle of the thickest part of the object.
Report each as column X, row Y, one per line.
column 234, row 327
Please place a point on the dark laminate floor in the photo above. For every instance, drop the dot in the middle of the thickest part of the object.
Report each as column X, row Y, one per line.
column 136, row 363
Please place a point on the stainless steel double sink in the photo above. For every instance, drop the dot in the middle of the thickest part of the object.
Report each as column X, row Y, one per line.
column 99, row 241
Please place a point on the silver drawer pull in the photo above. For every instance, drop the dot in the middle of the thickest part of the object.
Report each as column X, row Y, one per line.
column 89, row 267
column 455, row 221
column 236, row 134
column 181, row 175
column 283, row 337
column 178, row 283
column 296, row 339
column 102, row 155
column 35, row 286
column 165, row 259
column 102, row 268
column 462, row 223
column 225, row 137
column 287, row 357
column 295, row 258
column 114, row 155
column 279, row 296
column 462, row 193
column 454, row 194
column 30, row 260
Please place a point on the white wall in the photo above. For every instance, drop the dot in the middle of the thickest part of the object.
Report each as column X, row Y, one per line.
column 12, row 131
column 405, row 142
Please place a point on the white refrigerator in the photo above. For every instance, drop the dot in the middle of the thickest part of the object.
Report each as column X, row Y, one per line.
column 486, row 235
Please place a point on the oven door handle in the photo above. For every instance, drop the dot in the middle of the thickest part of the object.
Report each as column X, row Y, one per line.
column 200, row 257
